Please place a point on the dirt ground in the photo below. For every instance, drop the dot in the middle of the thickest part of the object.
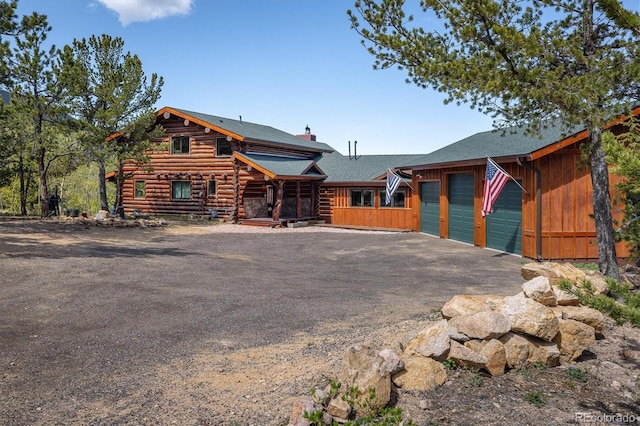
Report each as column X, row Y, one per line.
column 199, row 324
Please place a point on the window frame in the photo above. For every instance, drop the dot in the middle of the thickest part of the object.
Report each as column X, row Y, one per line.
column 363, row 191
column 182, row 139
column 224, row 140
column 136, row 190
column 173, row 190
column 215, row 188
column 394, row 200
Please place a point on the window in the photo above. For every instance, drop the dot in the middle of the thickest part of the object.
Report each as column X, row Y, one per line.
column 180, row 190
column 211, row 188
column 362, row 197
column 396, row 201
column 223, row 147
column 139, row 187
column 180, row 145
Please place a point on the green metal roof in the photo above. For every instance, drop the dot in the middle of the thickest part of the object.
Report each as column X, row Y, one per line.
column 257, row 132
column 509, row 142
column 366, row 168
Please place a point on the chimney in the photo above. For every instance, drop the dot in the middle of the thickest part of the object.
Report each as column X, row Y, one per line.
column 307, row 136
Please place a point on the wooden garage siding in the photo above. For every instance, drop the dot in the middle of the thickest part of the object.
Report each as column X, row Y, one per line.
column 568, row 229
column 335, row 208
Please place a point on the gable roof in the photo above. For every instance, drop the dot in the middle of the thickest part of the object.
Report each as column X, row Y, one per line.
column 278, row 167
column 366, row 168
column 511, row 143
column 246, row 131
column 507, row 143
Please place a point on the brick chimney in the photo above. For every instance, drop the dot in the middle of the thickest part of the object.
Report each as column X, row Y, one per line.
column 307, row 136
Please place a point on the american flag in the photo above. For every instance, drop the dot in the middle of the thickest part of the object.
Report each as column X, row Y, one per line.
column 393, row 182
column 495, row 180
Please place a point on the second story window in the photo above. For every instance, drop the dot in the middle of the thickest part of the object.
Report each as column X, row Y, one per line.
column 223, row 147
column 180, row 145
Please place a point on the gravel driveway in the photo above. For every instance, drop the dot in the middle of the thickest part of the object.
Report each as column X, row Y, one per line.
column 119, row 326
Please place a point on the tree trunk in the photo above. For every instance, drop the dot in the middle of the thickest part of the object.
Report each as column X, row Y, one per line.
column 102, row 182
column 44, row 190
column 607, row 258
column 24, row 187
column 119, row 185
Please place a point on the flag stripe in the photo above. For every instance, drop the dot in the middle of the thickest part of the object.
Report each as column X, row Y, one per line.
column 495, row 180
column 393, row 182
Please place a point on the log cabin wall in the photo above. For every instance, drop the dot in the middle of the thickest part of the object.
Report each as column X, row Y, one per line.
column 213, row 181
column 209, row 178
column 568, row 229
column 336, row 208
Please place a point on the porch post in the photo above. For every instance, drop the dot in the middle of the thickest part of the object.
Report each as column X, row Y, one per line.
column 279, row 195
column 298, row 200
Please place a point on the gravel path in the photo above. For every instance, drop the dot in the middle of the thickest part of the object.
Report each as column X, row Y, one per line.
column 208, row 324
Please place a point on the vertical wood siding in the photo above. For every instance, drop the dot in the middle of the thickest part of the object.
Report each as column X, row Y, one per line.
column 335, row 208
column 568, row 228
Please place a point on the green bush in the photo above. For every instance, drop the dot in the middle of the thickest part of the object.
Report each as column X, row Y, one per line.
column 622, row 306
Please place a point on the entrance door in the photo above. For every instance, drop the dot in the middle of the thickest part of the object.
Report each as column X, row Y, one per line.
column 461, row 207
column 430, row 208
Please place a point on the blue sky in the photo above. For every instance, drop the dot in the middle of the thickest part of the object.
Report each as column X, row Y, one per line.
column 282, row 63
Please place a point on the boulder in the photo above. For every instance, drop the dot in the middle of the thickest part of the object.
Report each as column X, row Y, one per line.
column 529, row 317
column 420, row 374
column 584, row 314
column 482, row 325
column 391, row 362
column 564, row 298
column 300, row 407
column 574, row 338
column 542, row 352
column 362, row 367
column 431, row 342
column 598, row 281
column 468, row 304
column 516, row 349
column 339, row 409
column 496, row 356
column 467, row 357
column 540, row 290
column 552, row 270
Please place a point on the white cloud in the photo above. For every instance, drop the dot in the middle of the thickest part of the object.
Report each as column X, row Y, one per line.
column 147, row 10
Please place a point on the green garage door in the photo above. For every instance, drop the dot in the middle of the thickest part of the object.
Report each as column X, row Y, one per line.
column 461, row 208
column 504, row 225
column 430, row 208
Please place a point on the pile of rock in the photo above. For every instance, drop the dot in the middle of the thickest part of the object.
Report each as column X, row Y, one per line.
column 102, row 219
column 542, row 325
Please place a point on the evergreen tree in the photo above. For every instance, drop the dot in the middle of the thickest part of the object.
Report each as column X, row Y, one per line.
column 521, row 62
column 111, row 94
column 39, row 98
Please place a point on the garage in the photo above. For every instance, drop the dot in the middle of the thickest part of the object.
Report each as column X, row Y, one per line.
column 461, row 207
column 430, row 208
column 504, row 225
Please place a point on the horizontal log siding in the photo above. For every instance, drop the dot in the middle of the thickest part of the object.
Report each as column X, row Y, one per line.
column 327, row 203
column 335, row 208
column 197, row 167
column 568, row 229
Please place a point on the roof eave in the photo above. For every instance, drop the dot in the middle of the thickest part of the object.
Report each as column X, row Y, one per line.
column 202, row 123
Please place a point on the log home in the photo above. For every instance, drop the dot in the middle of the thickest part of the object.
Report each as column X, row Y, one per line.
column 251, row 173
